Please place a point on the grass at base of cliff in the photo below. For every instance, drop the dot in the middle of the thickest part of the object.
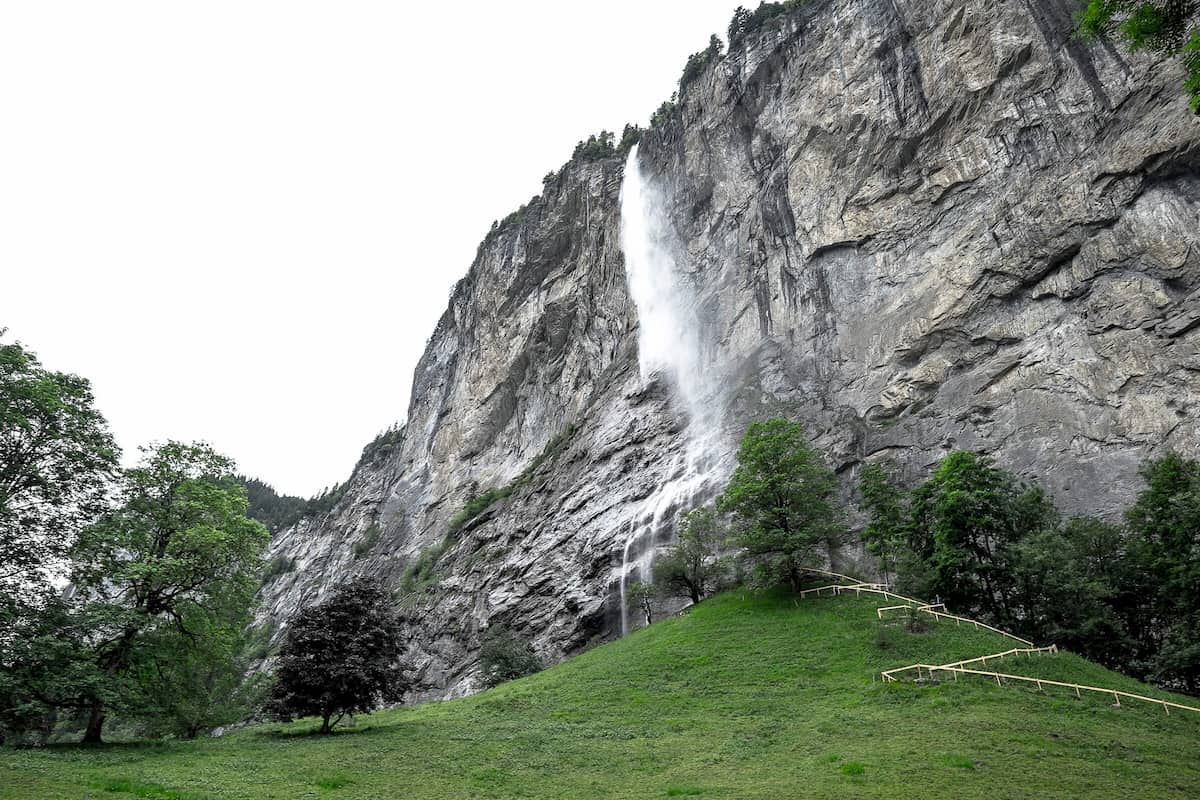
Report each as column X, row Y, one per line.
column 747, row 697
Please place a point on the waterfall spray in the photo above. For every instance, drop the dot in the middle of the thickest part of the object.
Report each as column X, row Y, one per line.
column 669, row 344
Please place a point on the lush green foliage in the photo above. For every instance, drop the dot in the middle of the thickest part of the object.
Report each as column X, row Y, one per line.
column 1170, row 27
column 367, row 543
column 382, row 445
column 1165, row 527
column 277, row 511
column 691, row 566
column 747, row 697
column 885, row 505
column 595, row 147
column 965, row 519
column 662, row 115
column 698, row 62
column 640, row 597
column 187, row 688
column 629, row 137
column 326, row 501
column 341, row 656
column 782, row 497
column 482, row 502
column 422, row 571
column 746, row 22
column 605, row 144
column 178, row 558
column 57, row 460
column 162, row 588
column 994, row 546
column 503, row 656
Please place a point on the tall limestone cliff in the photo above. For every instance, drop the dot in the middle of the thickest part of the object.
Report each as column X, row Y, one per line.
column 913, row 226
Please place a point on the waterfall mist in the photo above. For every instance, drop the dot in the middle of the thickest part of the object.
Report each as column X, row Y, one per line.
column 670, row 347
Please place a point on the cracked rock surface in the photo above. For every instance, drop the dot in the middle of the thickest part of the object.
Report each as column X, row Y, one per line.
column 913, row 226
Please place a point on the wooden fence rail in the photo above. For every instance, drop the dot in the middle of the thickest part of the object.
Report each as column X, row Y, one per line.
column 999, row 677
column 919, row 605
column 892, row 674
column 957, row 668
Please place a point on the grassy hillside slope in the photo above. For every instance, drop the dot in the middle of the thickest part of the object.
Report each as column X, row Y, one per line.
column 746, row 697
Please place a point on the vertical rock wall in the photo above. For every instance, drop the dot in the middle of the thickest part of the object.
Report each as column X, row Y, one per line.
column 912, row 226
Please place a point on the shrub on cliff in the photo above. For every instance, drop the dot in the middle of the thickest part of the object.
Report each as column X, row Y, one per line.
column 1169, row 27
column 596, row 146
column 503, row 656
column 746, row 22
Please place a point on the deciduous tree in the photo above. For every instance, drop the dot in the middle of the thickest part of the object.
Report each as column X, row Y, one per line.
column 340, row 656
column 691, row 566
column 177, row 558
column 887, row 509
column 57, row 461
column 783, row 499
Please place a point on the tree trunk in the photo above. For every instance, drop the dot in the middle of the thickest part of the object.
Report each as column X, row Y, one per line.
column 325, row 722
column 95, row 723
column 794, row 578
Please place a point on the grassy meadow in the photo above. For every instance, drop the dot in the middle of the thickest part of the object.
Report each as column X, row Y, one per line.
column 748, row 696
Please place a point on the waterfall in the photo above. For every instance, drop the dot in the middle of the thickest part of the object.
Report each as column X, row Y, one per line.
column 670, row 346
column 668, row 326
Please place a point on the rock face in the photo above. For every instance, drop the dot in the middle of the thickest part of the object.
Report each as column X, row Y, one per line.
column 913, row 226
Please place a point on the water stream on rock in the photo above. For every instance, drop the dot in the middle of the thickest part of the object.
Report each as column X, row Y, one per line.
column 669, row 346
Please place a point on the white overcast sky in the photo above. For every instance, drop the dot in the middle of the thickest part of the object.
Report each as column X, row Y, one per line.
column 241, row 220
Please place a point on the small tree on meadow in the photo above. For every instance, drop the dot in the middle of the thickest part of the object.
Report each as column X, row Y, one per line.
column 691, row 566
column 640, row 596
column 783, row 499
column 341, row 656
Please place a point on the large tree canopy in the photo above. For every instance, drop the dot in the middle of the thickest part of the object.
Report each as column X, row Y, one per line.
column 783, row 499
column 57, row 460
column 176, row 562
column 341, row 656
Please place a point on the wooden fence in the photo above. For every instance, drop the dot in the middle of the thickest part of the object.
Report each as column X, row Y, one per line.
column 1000, row 677
column 957, row 668
column 917, row 605
column 893, row 674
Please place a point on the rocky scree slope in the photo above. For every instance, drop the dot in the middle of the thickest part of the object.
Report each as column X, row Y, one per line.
column 914, row 226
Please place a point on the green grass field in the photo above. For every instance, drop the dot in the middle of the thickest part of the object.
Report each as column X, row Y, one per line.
column 747, row 697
